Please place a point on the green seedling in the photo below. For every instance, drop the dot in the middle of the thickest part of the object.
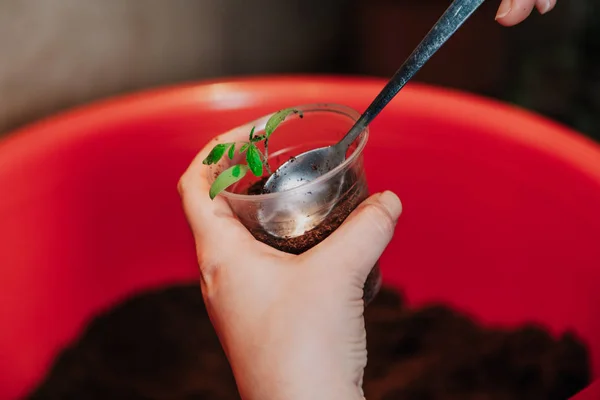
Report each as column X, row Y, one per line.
column 256, row 161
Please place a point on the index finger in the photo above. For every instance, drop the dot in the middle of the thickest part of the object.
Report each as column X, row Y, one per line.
column 212, row 222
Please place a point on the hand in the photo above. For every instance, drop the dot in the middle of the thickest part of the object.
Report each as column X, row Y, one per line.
column 292, row 326
column 512, row 12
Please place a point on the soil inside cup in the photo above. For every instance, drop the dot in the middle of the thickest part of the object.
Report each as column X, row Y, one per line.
column 353, row 195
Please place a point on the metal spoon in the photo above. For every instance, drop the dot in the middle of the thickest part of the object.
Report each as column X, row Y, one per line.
column 314, row 163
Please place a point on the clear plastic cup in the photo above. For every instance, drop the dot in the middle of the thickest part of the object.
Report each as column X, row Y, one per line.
column 293, row 221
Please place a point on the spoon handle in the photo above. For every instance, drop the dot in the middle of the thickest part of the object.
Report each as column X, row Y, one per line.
column 452, row 19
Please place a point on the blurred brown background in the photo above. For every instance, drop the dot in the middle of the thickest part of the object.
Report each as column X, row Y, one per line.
column 55, row 54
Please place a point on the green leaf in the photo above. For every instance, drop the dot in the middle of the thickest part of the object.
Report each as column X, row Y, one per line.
column 254, row 159
column 252, row 132
column 244, row 147
column 231, row 151
column 277, row 119
column 215, row 154
column 227, row 178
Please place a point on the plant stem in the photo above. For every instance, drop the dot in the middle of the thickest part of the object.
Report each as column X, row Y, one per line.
column 266, row 156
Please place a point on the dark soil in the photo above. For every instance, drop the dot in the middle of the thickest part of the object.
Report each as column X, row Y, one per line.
column 258, row 187
column 161, row 346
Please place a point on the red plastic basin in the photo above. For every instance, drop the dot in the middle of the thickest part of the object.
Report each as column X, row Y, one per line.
column 502, row 207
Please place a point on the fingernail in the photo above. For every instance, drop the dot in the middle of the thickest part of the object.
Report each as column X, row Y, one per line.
column 547, row 7
column 392, row 203
column 504, row 9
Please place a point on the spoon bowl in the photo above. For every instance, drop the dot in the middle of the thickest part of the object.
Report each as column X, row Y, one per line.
column 304, row 168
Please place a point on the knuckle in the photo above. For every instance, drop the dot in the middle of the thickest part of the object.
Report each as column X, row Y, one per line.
column 182, row 185
column 210, row 272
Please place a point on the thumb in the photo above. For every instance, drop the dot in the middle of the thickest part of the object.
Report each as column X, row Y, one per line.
column 361, row 239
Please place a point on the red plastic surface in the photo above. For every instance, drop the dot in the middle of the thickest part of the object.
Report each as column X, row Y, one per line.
column 591, row 393
column 501, row 217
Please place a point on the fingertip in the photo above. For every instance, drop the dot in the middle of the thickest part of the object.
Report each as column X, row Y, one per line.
column 545, row 6
column 505, row 22
column 511, row 19
column 392, row 203
column 504, row 9
column 513, row 12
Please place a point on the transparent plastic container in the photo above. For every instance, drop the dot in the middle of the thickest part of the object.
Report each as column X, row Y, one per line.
column 293, row 220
